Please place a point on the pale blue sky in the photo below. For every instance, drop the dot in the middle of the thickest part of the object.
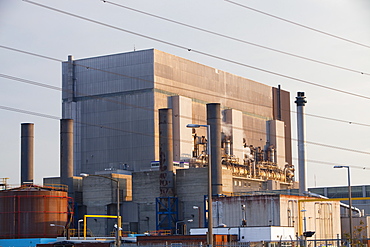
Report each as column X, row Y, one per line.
column 27, row 27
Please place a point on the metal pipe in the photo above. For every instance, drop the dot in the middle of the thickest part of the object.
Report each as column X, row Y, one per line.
column 79, row 227
column 210, row 203
column 301, row 101
column 27, row 140
column 350, row 205
column 210, row 209
column 279, row 102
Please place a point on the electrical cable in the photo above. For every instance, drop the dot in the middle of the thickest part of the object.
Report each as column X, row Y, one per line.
column 114, row 73
column 53, row 117
column 56, row 88
column 250, row 130
column 58, row 60
column 335, row 119
column 58, row 118
column 105, row 71
column 335, row 164
column 136, row 106
column 234, row 39
column 30, row 53
column 308, row 142
column 297, row 24
column 200, row 52
column 141, row 79
column 29, row 112
column 116, row 129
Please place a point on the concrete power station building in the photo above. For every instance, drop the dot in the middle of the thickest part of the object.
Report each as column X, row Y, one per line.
column 130, row 113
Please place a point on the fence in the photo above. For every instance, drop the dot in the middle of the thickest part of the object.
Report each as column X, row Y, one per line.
column 293, row 243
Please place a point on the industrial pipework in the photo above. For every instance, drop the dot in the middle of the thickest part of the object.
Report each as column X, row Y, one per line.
column 256, row 163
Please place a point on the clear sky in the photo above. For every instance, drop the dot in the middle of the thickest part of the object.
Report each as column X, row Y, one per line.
column 337, row 124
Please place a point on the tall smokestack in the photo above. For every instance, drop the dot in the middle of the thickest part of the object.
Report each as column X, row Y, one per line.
column 301, row 101
column 214, row 120
column 166, row 153
column 27, row 139
column 66, row 150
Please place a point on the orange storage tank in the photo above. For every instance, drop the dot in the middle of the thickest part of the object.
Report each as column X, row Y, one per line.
column 28, row 211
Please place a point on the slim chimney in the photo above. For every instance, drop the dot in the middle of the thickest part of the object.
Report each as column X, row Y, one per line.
column 66, row 150
column 166, row 153
column 301, row 101
column 214, row 120
column 27, row 140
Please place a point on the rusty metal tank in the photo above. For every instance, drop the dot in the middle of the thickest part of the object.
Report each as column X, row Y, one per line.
column 28, row 211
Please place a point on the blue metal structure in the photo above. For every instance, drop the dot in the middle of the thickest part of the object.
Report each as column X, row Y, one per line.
column 166, row 213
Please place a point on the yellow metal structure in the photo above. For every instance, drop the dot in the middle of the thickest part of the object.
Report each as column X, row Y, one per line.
column 100, row 216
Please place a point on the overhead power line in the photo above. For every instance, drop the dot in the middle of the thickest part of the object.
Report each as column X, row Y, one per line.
column 150, row 109
column 298, row 24
column 335, row 119
column 233, row 38
column 58, row 118
column 126, row 76
column 29, row 112
column 107, row 127
column 200, row 52
column 118, row 102
column 30, row 53
column 146, row 134
column 335, row 164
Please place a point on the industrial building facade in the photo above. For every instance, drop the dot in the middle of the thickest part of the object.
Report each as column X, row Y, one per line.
column 114, row 101
column 126, row 116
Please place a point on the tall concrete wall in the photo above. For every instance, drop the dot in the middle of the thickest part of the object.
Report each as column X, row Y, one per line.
column 182, row 116
column 192, row 186
column 234, row 127
column 146, row 189
column 281, row 107
column 277, row 139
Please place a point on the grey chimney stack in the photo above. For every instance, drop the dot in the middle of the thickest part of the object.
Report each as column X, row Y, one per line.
column 166, row 153
column 301, row 101
column 214, row 120
column 66, row 150
column 27, row 140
